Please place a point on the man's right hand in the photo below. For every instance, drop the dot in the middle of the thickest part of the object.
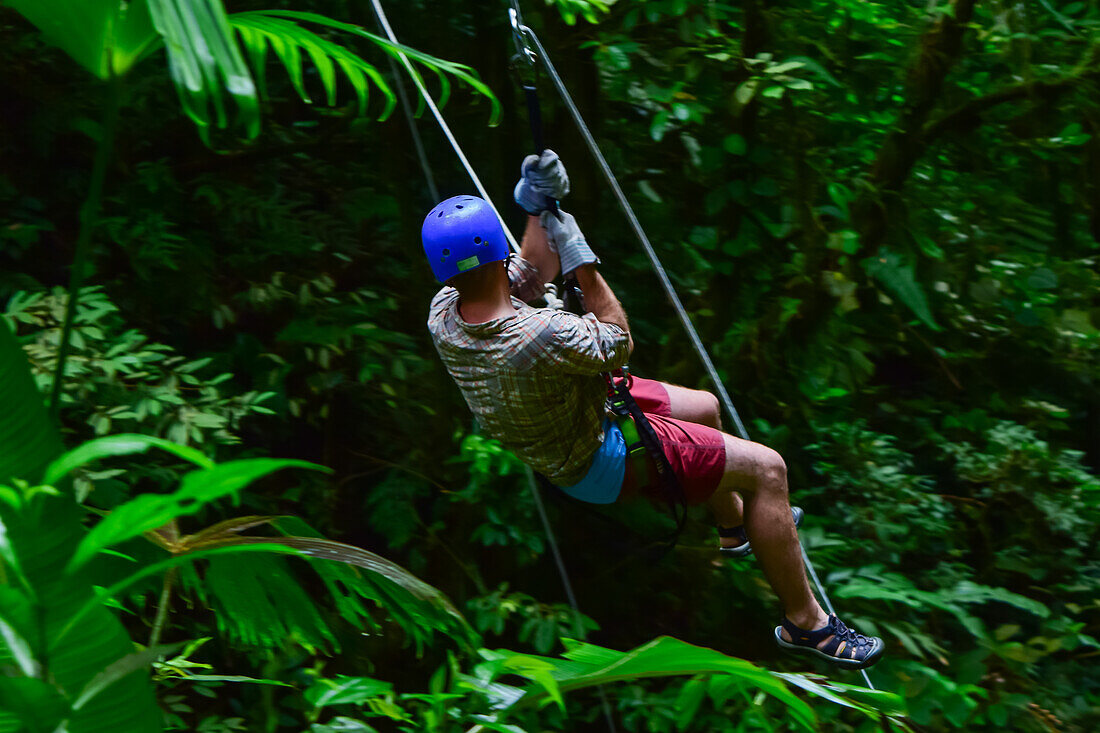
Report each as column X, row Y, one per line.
column 565, row 237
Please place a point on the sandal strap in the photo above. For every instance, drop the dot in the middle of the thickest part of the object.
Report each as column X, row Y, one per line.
column 807, row 637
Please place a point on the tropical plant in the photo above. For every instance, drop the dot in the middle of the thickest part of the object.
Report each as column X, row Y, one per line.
column 109, row 37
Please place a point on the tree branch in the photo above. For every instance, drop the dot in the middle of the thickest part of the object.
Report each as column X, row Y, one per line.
column 968, row 115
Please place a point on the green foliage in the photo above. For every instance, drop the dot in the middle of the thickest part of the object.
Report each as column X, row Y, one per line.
column 540, row 624
column 119, row 379
column 888, row 241
column 29, row 441
column 60, row 676
column 589, row 665
column 590, row 10
column 106, row 37
column 206, row 65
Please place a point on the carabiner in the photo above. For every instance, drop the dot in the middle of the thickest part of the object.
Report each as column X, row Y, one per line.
column 520, row 33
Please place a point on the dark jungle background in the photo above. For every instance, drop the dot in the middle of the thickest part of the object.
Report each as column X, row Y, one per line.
column 884, row 218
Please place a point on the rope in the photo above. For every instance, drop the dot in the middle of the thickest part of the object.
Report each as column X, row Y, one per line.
column 406, row 108
column 578, row 627
column 659, row 269
column 384, row 21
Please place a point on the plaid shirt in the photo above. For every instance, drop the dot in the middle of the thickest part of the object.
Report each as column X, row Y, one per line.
column 532, row 379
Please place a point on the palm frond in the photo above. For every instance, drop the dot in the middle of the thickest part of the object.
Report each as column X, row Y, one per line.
column 288, row 40
column 417, row 607
column 206, row 64
column 259, row 603
column 442, row 68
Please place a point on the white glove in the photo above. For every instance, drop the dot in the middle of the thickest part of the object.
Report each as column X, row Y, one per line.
column 566, row 238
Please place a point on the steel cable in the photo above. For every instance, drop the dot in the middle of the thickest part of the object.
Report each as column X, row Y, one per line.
column 659, row 270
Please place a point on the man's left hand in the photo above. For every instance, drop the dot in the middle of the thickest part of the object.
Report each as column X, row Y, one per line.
column 543, row 180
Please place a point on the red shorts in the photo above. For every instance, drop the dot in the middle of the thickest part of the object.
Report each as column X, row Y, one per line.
column 697, row 452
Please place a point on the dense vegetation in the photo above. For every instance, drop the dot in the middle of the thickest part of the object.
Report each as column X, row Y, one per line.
column 884, row 218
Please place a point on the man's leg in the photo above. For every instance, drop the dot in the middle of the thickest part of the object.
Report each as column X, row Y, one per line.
column 716, row 467
column 759, row 474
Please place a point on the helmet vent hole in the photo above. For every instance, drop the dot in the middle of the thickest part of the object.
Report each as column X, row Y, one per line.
column 477, row 240
column 446, row 253
column 458, row 206
column 440, row 214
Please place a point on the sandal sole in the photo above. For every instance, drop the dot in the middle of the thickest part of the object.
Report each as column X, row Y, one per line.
column 873, row 656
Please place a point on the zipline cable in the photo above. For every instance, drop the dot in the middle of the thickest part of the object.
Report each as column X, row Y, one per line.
column 384, row 21
column 578, row 627
column 654, row 261
column 639, row 233
column 406, row 108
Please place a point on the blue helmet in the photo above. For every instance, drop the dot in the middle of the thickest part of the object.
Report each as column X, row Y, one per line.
column 460, row 234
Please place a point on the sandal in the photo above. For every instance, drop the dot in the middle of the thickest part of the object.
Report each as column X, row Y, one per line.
column 846, row 648
column 743, row 548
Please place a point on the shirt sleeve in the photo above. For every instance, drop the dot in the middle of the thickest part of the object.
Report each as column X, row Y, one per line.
column 524, row 278
column 585, row 345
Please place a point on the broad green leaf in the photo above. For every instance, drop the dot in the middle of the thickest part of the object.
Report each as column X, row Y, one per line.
column 345, row 690
column 36, row 706
column 18, row 629
column 149, row 511
column 29, row 441
column 353, row 574
column 586, row 665
column 104, row 36
column 887, row 267
column 44, row 534
column 877, row 701
column 118, row 670
column 119, row 445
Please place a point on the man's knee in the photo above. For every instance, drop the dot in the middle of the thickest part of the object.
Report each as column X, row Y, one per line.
column 753, row 467
column 772, row 470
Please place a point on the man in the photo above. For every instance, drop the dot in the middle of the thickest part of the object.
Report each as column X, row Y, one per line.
column 532, row 377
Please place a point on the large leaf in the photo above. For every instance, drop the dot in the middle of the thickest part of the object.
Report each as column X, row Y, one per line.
column 27, row 439
column 44, row 532
column 417, row 607
column 122, row 444
column 888, row 268
column 149, row 511
column 37, row 706
column 104, row 36
column 587, row 665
